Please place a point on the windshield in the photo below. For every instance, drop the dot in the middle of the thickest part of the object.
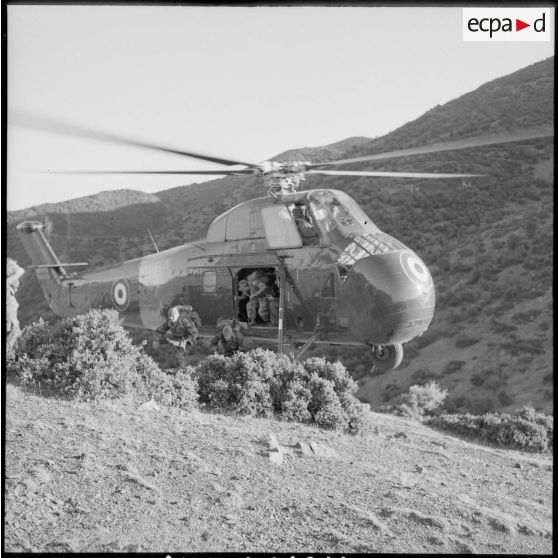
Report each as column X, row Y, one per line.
column 339, row 212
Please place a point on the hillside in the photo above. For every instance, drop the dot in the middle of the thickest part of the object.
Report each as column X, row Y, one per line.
column 117, row 476
column 487, row 242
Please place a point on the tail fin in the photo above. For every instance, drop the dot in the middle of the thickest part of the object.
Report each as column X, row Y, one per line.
column 38, row 248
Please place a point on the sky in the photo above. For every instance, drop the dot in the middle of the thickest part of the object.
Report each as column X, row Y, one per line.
column 243, row 83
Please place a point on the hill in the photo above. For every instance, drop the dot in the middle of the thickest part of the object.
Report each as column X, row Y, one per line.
column 488, row 242
column 117, row 476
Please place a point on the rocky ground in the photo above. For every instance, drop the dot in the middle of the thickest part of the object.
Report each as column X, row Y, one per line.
column 119, row 476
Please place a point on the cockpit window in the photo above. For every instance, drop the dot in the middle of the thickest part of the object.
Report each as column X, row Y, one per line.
column 339, row 211
column 304, row 224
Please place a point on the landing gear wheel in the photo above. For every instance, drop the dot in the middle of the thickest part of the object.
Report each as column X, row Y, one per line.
column 387, row 357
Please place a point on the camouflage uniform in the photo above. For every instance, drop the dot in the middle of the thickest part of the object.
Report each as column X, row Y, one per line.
column 228, row 341
column 258, row 303
column 181, row 332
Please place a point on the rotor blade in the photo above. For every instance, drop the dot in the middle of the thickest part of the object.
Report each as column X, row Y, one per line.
column 44, row 124
column 531, row 133
column 214, row 172
column 394, row 174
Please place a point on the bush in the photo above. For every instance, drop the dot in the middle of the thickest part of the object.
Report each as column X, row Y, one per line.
column 175, row 388
column 464, row 341
column 527, row 430
column 422, row 375
column 91, row 356
column 419, row 401
column 477, row 379
column 262, row 383
column 453, row 366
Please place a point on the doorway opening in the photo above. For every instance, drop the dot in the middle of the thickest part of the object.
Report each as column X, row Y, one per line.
column 256, row 295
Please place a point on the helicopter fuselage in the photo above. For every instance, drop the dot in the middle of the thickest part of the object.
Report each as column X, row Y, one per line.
column 345, row 277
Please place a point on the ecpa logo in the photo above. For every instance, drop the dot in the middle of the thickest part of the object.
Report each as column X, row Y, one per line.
column 507, row 24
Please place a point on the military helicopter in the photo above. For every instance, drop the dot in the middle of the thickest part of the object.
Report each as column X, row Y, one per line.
column 341, row 280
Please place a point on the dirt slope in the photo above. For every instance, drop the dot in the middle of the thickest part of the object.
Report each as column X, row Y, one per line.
column 116, row 476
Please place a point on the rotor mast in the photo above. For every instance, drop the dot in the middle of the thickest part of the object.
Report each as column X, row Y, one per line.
column 282, row 177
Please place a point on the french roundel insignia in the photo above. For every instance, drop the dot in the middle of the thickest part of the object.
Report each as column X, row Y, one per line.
column 120, row 294
column 415, row 270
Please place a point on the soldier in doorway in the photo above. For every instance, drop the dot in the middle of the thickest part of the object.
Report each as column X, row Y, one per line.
column 258, row 303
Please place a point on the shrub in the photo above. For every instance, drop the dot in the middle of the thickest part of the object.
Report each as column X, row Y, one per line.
column 527, row 430
column 176, row 388
column 392, row 390
column 464, row 341
column 91, row 356
column 421, row 375
column 262, row 383
column 86, row 357
column 419, row 401
column 453, row 366
column 505, row 398
column 477, row 379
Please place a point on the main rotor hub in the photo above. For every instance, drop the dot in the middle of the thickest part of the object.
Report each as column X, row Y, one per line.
column 282, row 177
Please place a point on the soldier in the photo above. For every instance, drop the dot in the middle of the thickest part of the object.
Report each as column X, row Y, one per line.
column 13, row 274
column 228, row 341
column 243, row 298
column 304, row 225
column 273, row 298
column 181, row 332
column 258, row 303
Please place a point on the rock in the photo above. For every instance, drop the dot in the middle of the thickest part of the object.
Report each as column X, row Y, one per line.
column 518, row 465
column 276, row 457
column 322, row 450
column 400, row 435
column 502, row 523
column 272, row 443
column 31, row 485
column 303, row 448
column 419, row 469
column 42, row 475
column 150, row 406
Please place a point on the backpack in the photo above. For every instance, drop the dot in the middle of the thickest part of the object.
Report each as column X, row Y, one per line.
column 191, row 316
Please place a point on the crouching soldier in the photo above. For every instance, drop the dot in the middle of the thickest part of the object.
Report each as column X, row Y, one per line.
column 180, row 331
column 228, row 341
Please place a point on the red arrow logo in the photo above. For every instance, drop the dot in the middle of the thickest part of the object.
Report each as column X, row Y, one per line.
column 519, row 25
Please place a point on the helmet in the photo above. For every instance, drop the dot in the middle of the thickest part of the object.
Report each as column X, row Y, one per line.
column 227, row 332
column 173, row 313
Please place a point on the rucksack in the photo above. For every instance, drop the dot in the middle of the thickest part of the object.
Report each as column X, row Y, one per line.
column 191, row 315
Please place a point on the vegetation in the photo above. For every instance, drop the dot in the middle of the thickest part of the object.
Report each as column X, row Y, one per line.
column 91, row 357
column 262, row 383
column 419, row 402
column 526, row 430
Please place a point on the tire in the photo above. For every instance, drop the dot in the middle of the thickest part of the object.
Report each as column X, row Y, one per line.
column 387, row 357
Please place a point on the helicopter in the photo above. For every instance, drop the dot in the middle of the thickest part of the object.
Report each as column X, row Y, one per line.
column 340, row 279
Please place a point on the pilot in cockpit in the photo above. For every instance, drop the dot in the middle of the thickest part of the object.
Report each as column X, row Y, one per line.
column 304, row 224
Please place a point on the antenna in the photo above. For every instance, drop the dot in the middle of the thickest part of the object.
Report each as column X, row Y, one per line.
column 153, row 240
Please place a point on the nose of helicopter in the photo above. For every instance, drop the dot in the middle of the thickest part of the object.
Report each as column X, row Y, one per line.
column 390, row 298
